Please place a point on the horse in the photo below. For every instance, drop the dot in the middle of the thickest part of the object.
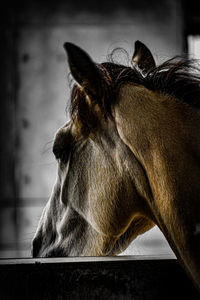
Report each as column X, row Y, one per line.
column 127, row 159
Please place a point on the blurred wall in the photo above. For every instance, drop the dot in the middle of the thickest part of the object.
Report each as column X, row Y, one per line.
column 37, row 91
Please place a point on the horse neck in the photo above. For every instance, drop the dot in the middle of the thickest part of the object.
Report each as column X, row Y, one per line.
column 164, row 135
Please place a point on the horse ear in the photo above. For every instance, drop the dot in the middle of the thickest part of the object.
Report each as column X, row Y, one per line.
column 83, row 69
column 143, row 57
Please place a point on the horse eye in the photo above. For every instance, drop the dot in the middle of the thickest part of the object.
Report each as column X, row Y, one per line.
column 62, row 144
column 61, row 153
column 57, row 152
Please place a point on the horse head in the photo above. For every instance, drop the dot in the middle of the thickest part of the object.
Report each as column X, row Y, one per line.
column 127, row 160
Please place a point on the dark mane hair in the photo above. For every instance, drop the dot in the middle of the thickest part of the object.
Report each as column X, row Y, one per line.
column 177, row 77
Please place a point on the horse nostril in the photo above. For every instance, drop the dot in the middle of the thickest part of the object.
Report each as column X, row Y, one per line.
column 36, row 246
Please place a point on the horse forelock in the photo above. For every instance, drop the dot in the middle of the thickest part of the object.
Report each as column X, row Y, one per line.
column 177, row 77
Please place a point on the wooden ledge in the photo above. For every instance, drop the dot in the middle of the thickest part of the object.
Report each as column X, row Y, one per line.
column 85, row 278
column 79, row 259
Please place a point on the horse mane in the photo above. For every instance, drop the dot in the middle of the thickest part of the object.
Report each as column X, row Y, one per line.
column 177, row 77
